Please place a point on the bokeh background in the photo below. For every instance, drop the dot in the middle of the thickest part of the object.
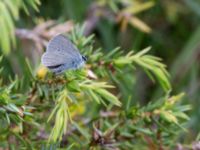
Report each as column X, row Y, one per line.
column 170, row 27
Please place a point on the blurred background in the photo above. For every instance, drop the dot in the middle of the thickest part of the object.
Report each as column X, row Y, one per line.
column 171, row 28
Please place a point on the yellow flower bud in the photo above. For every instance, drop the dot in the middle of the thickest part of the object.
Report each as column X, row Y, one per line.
column 41, row 72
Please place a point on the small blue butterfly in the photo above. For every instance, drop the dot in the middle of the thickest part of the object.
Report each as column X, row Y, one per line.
column 62, row 55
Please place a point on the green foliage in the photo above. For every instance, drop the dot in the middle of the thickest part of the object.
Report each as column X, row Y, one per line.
column 149, row 63
column 123, row 97
column 77, row 89
column 9, row 12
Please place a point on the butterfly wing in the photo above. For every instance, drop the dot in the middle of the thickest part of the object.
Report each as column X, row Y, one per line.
column 62, row 45
column 61, row 54
column 54, row 59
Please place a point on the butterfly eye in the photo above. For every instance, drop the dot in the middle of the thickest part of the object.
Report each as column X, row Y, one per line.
column 84, row 58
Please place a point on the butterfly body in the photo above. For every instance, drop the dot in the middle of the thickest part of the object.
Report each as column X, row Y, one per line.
column 62, row 55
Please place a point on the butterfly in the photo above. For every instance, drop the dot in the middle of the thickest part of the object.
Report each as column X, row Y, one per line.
column 62, row 55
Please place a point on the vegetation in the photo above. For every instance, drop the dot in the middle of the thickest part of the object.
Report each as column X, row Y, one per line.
column 125, row 97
